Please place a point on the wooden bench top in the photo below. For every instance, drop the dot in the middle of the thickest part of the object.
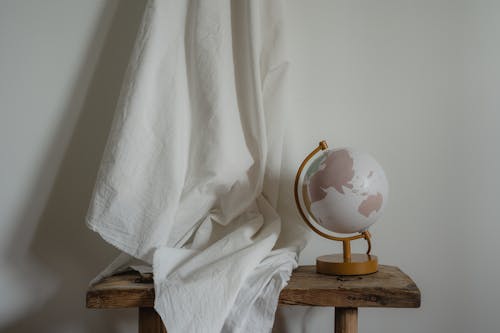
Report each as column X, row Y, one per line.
column 389, row 287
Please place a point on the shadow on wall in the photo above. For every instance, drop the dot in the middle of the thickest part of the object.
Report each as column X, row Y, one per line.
column 62, row 245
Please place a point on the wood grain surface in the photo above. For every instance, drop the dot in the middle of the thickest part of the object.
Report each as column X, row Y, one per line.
column 346, row 320
column 389, row 287
column 150, row 321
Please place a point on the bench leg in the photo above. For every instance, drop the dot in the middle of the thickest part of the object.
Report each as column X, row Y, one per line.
column 150, row 321
column 346, row 320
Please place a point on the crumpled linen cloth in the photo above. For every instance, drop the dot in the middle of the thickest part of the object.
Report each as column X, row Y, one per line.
column 189, row 178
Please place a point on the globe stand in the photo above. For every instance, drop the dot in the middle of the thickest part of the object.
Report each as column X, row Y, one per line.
column 347, row 263
column 338, row 264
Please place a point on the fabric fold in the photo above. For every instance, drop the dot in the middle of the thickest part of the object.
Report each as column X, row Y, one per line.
column 190, row 174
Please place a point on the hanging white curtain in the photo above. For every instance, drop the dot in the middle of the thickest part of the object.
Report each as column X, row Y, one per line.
column 189, row 177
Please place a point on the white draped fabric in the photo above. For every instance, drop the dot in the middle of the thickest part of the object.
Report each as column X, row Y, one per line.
column 189, row 178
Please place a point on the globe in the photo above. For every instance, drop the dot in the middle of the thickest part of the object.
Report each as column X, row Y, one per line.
column 345, row 191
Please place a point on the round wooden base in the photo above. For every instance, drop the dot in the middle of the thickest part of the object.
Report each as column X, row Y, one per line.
column 360, row 264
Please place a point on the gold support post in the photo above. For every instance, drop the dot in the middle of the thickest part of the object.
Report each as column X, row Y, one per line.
column 346, row 247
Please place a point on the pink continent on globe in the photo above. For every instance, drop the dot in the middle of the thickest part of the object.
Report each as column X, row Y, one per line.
column 338, row 172
column 371, row 204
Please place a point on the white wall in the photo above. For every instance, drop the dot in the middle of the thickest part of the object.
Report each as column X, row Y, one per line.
column 61, row 64
column 416, row 84
column 412, row 82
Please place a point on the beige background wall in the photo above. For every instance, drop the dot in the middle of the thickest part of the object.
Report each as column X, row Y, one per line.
column 415, row 83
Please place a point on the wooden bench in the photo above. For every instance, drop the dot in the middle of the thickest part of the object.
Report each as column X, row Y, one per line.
column 388, row 288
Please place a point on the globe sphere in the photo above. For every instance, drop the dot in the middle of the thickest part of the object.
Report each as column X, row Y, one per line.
column 345, row 191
